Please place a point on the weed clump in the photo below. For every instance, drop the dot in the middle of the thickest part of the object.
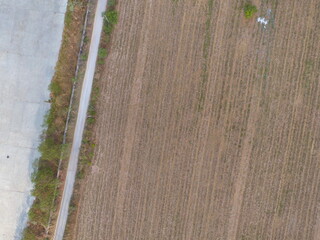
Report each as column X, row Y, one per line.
column 249, row 10
column 110, row 19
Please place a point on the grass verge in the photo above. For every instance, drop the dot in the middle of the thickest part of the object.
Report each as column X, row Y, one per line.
column 88, row 142
column 45, row 178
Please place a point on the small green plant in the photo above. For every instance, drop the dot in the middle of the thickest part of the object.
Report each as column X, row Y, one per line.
column 84, row 57
column 100, row 61
column 111, row 3
column 68, row 18
column 86, row 39
column 74, row 80
column 72, row 5
column 55, row 88
column 249, row 10
column 110, row 19
column 102, row 53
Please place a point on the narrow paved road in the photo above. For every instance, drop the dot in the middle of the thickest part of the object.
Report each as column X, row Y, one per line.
column 81, row 119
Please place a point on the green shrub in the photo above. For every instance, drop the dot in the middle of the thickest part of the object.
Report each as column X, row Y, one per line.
column 249, row 10
column 110, row 19
column 102, row 53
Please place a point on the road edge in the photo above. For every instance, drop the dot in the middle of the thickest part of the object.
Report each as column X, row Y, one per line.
column 81, row 119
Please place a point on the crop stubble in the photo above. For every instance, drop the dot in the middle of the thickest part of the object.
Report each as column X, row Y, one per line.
column 208, row 124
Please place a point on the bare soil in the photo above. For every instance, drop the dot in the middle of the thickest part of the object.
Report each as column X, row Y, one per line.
column 208, row 124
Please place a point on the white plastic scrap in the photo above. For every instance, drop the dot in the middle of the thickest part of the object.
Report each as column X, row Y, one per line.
column 262, row 21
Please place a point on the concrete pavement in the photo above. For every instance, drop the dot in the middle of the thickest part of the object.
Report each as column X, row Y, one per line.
column 30, row 37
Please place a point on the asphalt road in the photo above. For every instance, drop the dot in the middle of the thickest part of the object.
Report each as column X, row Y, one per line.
column 81, row 119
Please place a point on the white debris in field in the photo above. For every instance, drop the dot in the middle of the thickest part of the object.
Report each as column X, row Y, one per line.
column 268, row 12
column 262, row 21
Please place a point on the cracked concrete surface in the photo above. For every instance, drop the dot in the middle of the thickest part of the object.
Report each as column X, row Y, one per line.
column 30, row 37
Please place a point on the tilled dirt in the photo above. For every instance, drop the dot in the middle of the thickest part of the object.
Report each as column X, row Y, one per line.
column 208, row 124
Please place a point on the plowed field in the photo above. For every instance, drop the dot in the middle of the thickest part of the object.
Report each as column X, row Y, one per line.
column 208, row 124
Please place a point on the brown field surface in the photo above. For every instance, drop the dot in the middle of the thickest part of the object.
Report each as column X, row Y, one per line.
column 208, row 124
